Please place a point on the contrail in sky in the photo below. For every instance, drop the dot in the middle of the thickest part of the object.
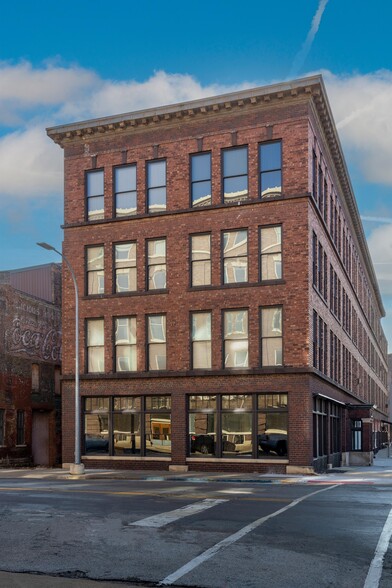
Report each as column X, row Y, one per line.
column 299, row 59
column 377, row 219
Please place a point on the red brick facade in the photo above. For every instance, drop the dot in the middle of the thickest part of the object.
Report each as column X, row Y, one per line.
column 296, row 117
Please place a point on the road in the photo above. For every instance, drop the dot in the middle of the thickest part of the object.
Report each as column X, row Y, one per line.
column 200, row 533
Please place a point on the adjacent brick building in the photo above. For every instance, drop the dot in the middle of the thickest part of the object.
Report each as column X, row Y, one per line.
column 230, row 314
column 30, row 362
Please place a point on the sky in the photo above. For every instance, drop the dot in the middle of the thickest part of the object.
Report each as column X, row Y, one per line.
column 61, row 62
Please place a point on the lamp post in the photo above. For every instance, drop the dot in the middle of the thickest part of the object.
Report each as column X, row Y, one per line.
column 77, row 467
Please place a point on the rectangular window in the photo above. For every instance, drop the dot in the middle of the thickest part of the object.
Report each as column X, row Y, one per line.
column 125, row 344
column 20, row 427
column 95, row 194
column 202, row 426
column 34, row 378
column 235, row 335
column 125, row 424
column 201, row 179
column 356, row 435
column 270, row 169
column 271, row 336
column 320, row 423
column 158, row 426
column 235, row 174
column 271, row 253
column 156, row 186
column 201, row 340
column 156, row 342
column 125, row 194
column 95, row 270
column 96, row 426
column 156, row 264
column 200, row 260
column 125, row 267
column 2, row 426
column 235, row 257
column 272, row 425
column 95, row 346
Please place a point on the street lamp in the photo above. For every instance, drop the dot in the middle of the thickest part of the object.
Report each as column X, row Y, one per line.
column 77, row 467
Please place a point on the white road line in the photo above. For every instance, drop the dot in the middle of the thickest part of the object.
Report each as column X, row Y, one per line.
column 232, row 539
column 375, row 570
column 169, row 517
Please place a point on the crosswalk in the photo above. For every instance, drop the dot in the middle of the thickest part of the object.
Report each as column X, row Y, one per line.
column 166, row 518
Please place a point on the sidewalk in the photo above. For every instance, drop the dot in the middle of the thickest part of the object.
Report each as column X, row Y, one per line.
column 17, row 580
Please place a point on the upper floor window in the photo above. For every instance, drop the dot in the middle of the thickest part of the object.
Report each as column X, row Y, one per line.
column 235, row 257
column 270, row 169
column 201, row 260
column 125, row 343
column 95, row 346
column 125, row 267
column 235, row 336
column 125, row 194
column 201, row 340
column 156, row 186
column 201, row 179
column 95, row 270
column 235, row 174
column 271, row 253
column 271, row 336
column 95, row 194
column 156, row 342
column 156, row 262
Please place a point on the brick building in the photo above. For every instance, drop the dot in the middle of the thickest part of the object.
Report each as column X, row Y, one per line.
column 30, row 360
column 230, row 314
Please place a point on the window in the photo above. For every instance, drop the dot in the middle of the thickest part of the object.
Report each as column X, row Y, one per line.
column 156, row 260
column 201, row 340
column 156, row 342
column 34, row 377
column 272, row 425
column 2, row 426
column 125, row 343
column 356, row 435
column 158, row 426
column 320, row 433
column 95, row 195
column 125, row 267
column 202, row 425
column 20, row 427
column 95, row 270
column 271, row 336
column 156, row 186
column 235, row 336
column 200, row 260
column 201, row 179
column 270, row 169
column 235, row 174
column 235, row 257
column 95, row 346
column 271, row 253
column 125, row 194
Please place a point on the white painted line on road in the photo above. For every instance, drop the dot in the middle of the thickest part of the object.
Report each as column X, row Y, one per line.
column 375, row 570
column 191, row 565
column 169, row 517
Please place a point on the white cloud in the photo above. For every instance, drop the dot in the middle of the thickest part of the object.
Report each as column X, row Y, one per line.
column 380, row 246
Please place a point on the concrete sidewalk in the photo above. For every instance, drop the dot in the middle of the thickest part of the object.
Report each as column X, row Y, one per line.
column 17, row 580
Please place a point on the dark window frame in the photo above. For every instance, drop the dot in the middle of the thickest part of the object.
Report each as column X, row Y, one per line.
column 148, row 343
column 148, row 265
column 223, row 257
column 148, row 187
column 87, row 271
column 87, row 172
column 116, row 193
column 278, row 169
column 191, row 261
column 86, row 346
column 20, row 427
column 115, row 268
column 193, row 182
column 261, row 338
column 192, row 341
column 223, row 176
column 261, row 255
column 115, row 344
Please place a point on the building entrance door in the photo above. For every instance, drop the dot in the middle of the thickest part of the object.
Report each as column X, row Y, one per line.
column 40, row 438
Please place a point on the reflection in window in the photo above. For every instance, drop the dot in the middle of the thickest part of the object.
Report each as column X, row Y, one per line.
column 235, row 338
column 95, row 270
column 271, row 336
column 272, row 421
column 95, row 195
column 235, row 174
column 201, row 179
column 235, row 257
column 270, row 169
column 125, row 194
column 156, row 186
column 202, row 426
column 95, row 346
column 201, row 260
column 156, row 260
column 96, row 426
column 125, row 344
column 156, row 338
column 158, row 426
column 271, row 253
column 201, row 340
column 237, row 434
column 125, row 267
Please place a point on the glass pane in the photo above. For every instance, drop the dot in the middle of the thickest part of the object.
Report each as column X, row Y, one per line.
column 95, row 332
column 97, row 404
column 126, row 203
column 96, row 360
column 235, row 243
column 201, row 355
column 125, row 255
column 202, row 402
column 201, row 193
column 235, row 189
column 235, row 270
column 95, row 210
column 126, row 280
column 235, row 162
column 127, row 403
column 94, row 258
column 271, row 267
column 236, row 324
column 270, row 156
column 125, row 330
column 202, row 434
column 201, row 167
column 126, row 358
column 272, row 434
column 201, row 273
column 158, row 402
column 237, row 402
column 156, row 174
column 236, row 435
column 271, row 183
column 156, row 199
column 157, row 329
column 158, row 434
column 157, row 356
column 96, row 434
column 201, row 326
column 157, row 277
column 95, row 283
column 201, row 247
column 125, row 178
column 271, row 240
column 272, row 351
column 271, row 322
column 236, row 353
column 272, row 401
column 95, row 183
column 126, row 434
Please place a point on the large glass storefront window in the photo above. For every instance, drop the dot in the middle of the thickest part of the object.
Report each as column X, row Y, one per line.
column 272, row 422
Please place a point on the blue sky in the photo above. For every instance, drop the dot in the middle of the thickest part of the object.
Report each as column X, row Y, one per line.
column 62, row 62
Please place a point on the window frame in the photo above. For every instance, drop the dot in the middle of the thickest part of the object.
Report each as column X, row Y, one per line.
column 193, row 182
column 281, row 337
column 260, row 229
column 224, row 339
column 260, row 171
column 20, row 428
column 149, row 163
column 115, row 268
column 148, row 342
column 192, row 340
column 231, row 257
column 87, row 172
column 87, row 346
column 223, row 176
column 116, row 345
column 87, row 272
column 191, row 261
column 148, row 265
column 116, row 193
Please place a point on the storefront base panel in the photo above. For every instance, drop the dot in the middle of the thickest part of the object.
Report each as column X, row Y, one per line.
column 357, row 458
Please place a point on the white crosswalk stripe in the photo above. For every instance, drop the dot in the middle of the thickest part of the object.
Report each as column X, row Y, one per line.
column 166, row 518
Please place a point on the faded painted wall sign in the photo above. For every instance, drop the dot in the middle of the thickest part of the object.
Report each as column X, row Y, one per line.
column 42, row 343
